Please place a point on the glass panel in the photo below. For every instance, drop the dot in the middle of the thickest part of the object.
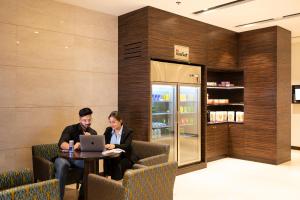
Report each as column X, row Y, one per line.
column 189, row 125
column 164, row 116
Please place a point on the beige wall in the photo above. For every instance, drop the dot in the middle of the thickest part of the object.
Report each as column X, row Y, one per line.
column 54, row 60
column 296, row 81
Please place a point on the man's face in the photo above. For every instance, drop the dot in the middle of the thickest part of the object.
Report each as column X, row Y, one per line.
column 86, row 121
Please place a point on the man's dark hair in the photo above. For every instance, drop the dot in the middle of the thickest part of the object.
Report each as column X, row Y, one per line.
column 85, row 111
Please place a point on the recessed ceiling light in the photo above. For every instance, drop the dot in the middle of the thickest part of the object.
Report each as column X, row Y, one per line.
column 36, row 32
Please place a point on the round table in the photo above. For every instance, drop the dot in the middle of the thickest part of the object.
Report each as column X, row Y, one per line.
column 91, row 163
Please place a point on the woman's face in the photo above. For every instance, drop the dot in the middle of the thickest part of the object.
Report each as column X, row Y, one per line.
column 114, row 123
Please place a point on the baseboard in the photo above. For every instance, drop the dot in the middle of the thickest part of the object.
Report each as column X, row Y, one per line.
column 295, row 148
column 191, row 168
column 216, row 158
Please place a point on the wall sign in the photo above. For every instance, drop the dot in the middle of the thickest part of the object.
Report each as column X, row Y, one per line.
column 181, row 53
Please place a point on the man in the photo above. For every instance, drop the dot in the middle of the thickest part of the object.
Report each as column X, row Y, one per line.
column 73, row 132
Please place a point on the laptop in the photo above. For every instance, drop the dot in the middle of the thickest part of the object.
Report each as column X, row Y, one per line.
column 92, row 143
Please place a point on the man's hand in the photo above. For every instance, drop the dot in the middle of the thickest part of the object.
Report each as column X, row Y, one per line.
column 87, row 133
column 77, row 146
column 110, row 146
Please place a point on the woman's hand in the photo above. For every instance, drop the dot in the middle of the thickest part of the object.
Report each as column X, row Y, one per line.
column 110, row 146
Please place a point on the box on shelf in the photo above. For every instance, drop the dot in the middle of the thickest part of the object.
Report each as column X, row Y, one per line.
column 239, row 116
column 230, row 116
column 212, row 116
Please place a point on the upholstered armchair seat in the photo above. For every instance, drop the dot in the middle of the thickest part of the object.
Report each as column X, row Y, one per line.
column 145, row 182
column 18, row 185
column 150, row 153
column 43, row 157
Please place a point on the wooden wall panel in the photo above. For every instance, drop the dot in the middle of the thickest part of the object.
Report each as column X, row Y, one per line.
column 283, row 95
column 259, row 58
column 167, row 29
column 134, row 87
column 222, row 48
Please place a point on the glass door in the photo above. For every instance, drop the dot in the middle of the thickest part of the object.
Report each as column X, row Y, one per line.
column 164, row 127
column 189, row 122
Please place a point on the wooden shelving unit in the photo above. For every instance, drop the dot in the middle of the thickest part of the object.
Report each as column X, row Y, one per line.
column 218, row 132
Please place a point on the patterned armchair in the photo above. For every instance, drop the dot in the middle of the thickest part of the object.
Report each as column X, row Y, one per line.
column 147, row 183
column 43, row 157
column 18, row 185
column 150, row 153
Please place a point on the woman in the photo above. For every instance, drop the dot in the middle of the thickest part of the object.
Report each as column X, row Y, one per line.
column 118, row 136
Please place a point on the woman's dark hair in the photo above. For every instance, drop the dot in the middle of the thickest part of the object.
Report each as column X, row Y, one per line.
column 116, row 115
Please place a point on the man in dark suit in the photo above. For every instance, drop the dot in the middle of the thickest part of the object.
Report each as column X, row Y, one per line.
column 118, row 136
column 73, row 132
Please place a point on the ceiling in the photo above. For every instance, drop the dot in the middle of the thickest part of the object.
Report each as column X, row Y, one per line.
column 227, row 17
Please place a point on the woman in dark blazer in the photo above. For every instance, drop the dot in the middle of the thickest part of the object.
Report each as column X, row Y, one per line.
column 118, row 136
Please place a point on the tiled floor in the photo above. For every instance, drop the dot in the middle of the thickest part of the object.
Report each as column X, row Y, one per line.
column 234, row 179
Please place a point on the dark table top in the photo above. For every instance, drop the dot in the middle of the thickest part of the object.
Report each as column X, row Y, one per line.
column 78, row 155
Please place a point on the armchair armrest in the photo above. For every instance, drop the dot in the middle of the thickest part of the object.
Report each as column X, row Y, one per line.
column 154, row 160
column 16, row 178
column 42, row 190
column 105, row 188
column 138, row 166
column 43, row 169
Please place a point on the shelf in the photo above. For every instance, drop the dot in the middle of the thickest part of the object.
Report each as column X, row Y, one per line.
column 186, row 113
column 225, row 88
column 161, row 127
column 162, row 114
column 186, row 124
column 228, row 104
column 213, row 123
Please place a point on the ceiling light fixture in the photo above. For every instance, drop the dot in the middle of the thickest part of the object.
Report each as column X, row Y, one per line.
column 178, row 2
column 254, row 23
column 269, row 20
column 225, row 5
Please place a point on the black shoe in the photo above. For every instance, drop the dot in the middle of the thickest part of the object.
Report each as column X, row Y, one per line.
column 81, row 193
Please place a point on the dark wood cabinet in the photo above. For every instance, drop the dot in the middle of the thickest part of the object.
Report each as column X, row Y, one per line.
column 217, row 141
column 236, row 140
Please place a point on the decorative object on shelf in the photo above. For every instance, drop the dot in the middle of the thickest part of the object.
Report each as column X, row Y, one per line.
column 220, row 116
column 212, row 84
column 239, row 116
column 217, row 101
column 230, row 116
column 225, row 84
column 212, row 116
